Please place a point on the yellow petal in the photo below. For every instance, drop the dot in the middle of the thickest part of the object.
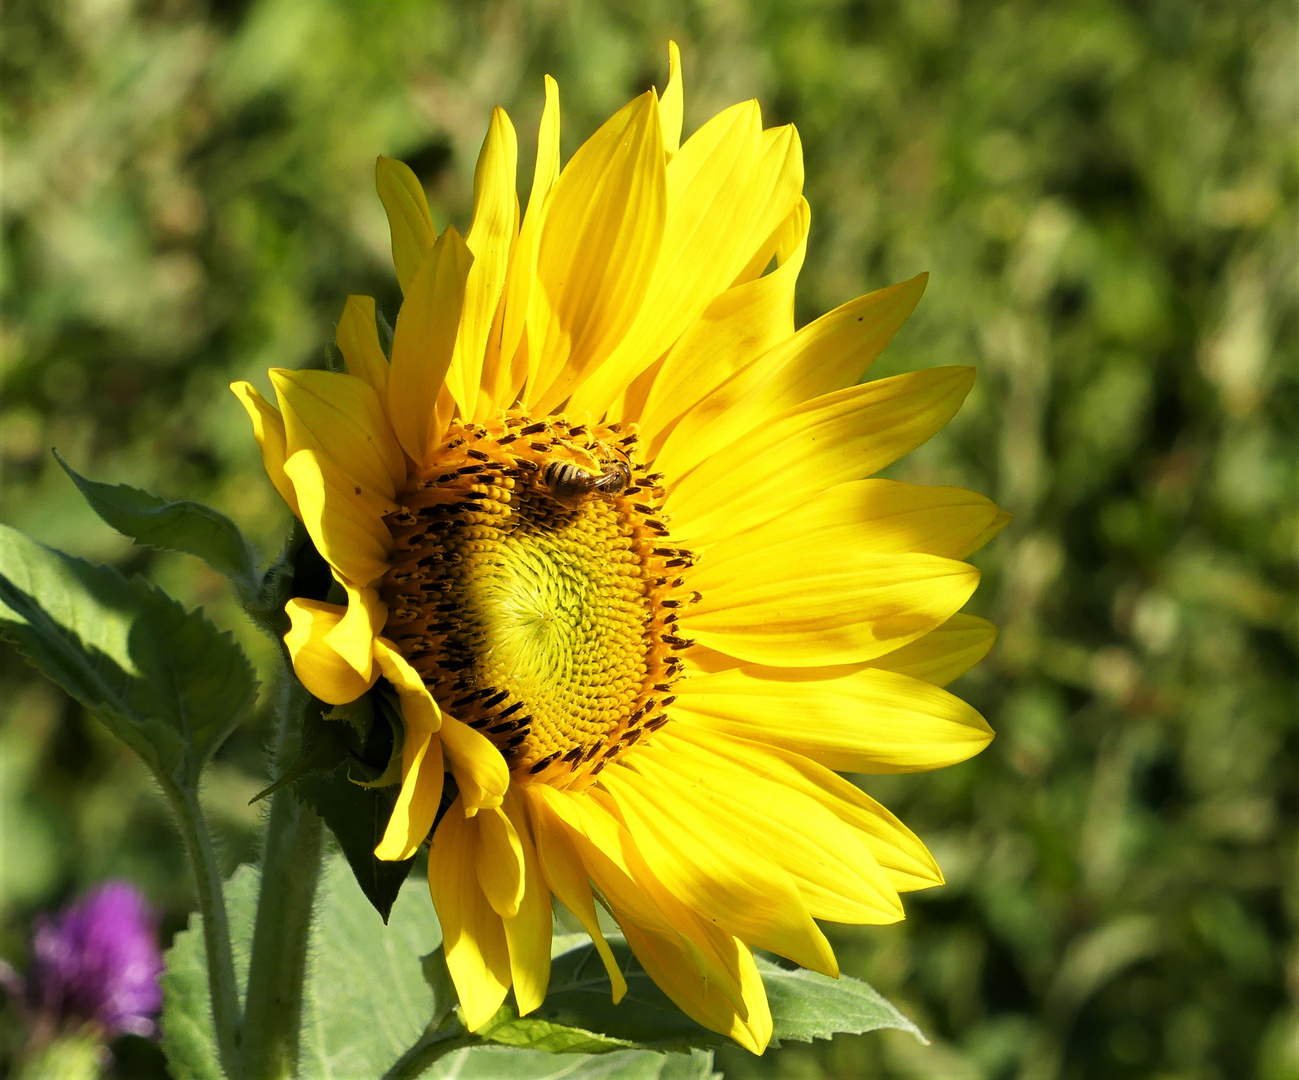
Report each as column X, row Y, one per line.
column 702, row 661
column 599, row 242
column 478, row 767
column 472, row 933
column 728, row 882
column 738, row 325
column 671, row 965
column 514, row 353
column 882, row 516
column 672, row 103
column 826, row 355
column 408, row 217
column 712, row 192
column 493, row 389
column 608, row 853
column 896, row 848
column 842, row 436
column 945, row 653
column 344, row 520
column 744, row 322
column 322, row 671
column 767, row 215
column 627, row 884
column 500, row 862
column 491, row 234
column 835, row 873
column 781, row 183
column 528, row 932
column 340, row 416
column 994, row 527
column 353, row 638
column 630, row 402
column 870, row 721
column 418, row 708
column 566, row 877
column 268, row 428
column 423, row 343
column 358, row 340
column 417, row 803
column 794, row 608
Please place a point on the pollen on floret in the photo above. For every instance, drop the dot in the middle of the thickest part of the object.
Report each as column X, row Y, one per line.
column 537, row 608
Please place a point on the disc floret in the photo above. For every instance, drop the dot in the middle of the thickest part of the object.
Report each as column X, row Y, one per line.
column 535, row 588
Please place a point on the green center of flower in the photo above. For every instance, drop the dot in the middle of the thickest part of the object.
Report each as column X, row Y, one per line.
column 535, row 590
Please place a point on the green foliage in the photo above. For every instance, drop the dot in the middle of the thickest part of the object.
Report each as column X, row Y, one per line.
column 806, row 1005
column 353, row 796
column 164, row 680
column 184, row 526
column 187, row 1038
column 578, row 1014
column 509, row 1064
column 533, row 1033
column 357, row 816
column 1105, row 194
column 367, row 998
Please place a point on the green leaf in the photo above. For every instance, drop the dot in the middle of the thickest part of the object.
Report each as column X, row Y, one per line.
column 322, row 749
column 365, row 1000
column 338, row 772
column 505, row 1064
column 804, row 1005
column 164, row 680
column 184, row 526
column 532, row 1033
column 357, row 816
column 696, row 1065
column 342, row 777
column 438, row 977
column 277, row 584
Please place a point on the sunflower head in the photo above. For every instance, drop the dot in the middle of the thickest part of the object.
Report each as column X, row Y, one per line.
column 604, row 522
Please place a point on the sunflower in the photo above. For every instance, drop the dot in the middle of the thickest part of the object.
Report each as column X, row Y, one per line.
column 603, row 519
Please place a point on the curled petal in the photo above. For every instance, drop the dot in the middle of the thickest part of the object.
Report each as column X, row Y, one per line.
column 324, row 673
column 268, row 428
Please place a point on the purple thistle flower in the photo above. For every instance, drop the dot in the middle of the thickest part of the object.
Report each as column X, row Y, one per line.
column 98, row 961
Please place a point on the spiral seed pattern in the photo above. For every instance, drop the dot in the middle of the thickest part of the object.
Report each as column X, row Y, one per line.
column 543, row 618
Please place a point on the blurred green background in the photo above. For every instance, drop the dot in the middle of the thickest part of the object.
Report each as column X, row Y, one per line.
column 1105, row 193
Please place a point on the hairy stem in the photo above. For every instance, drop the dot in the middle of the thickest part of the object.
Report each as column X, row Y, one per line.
column 216, row 927
column 290, row 872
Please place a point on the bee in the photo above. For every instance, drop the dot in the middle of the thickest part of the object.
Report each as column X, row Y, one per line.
column 568, row 483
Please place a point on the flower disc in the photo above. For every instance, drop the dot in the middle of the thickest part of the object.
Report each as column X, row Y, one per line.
column 537, row 606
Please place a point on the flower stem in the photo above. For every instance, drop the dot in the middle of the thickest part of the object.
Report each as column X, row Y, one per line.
column 278, row 965
column 216, row 928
